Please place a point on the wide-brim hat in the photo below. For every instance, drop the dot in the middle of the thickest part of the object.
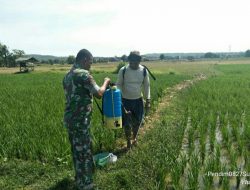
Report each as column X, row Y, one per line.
column 134, row 56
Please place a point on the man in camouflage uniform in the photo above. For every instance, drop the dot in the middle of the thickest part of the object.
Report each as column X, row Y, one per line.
column 79, row 87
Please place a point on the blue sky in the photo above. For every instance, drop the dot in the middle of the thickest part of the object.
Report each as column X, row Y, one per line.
column 116, row 27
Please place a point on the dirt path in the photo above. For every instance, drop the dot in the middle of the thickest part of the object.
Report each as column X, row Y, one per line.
column 155, row 117
column 165, row 101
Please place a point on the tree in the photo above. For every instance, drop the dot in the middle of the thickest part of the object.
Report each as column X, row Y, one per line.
column 211, row 55
column 247, row 53
column 119, row 66
column 18, row 53
column 190, row 58
column 50, row 61
column 71, row 59
column 124, row 58
column 7, row 58
column 162, row 56
column 4, row 53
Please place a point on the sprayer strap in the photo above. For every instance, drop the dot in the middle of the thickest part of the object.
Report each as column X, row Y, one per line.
column 151, row 74
column 98, row 106
column 144, row 71
column 100, row 109
column 145, row 68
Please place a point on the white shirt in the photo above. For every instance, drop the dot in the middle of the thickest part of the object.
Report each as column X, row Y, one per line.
column 133, row 83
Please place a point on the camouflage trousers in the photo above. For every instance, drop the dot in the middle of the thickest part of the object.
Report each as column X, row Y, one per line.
column 80, row 141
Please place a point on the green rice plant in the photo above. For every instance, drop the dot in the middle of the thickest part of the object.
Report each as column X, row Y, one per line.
column 195, row 163
column 233, row 159
column 209, row 167
column 176, row 173
column 225, row 119
column 235, row 132
column 211, row 120
column 212, row 138
column 218, row 118
column 202, row 148
column 193, row 171
column 192, row 180
column 202, row 130
column 238, row 179
column 247, row 163
column 31, row 116
column 229, row 128
column 241, row 145
column 190, row 148
column 190, row 135
column 217, row 157
column 243, row 120
column 225, row 134
column 224, row 180
column 246, row 137
column 182, row 161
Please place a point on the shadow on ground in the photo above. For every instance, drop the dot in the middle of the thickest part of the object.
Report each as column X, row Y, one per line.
column 65, row 184
column 21, row 72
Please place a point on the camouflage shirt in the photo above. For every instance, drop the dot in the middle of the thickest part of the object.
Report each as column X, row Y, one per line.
column 79, row 87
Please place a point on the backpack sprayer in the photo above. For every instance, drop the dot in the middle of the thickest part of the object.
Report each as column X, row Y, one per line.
column 111, row 107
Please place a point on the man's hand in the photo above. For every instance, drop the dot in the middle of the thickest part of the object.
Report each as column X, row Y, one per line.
column 147, row 107
column 102, row 89
column 107, row 79
column 106, row 82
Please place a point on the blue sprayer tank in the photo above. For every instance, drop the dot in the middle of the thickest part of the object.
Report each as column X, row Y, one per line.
column 112, row 108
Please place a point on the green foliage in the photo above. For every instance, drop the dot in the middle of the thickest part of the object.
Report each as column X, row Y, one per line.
column 225, row 96
column 153, row 160
column 119, row 66
column 162, row 57
column 71, row 59
column 211, row 55
column 124, row 58
column 7, row 58
column 16, row 174
column 39, row 135
column 31, row 117
column 247, row 53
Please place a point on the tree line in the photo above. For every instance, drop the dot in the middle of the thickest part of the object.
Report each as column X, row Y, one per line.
column 208, row 55
column 7, row 57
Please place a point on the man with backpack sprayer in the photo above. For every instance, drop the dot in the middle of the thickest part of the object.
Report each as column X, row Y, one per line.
column 133, row 79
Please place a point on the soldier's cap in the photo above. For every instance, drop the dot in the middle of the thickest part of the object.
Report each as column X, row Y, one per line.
column 134, row 56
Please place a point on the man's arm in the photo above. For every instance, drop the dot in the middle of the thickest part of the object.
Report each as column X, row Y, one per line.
column 88, row 82
column 99, row 93
column 146, row 85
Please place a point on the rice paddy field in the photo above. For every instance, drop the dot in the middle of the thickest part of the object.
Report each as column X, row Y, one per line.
column 200, row 142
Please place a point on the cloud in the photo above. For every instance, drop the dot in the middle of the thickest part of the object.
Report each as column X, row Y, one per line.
column 113, row 27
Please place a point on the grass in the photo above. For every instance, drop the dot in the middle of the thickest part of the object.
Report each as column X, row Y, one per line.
column 226, row 95
column 152, row 160
column 32, row 129
column 31, row 110
column 31, row 116
column 218, row 95
column 19, row 174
